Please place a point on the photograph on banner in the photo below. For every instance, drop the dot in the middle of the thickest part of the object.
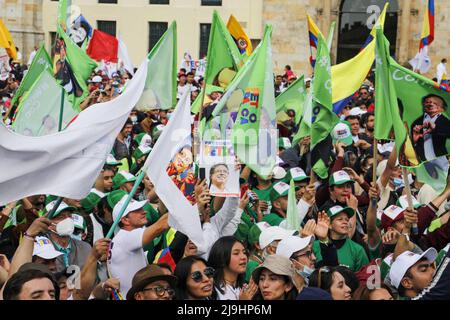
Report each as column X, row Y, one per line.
column 181, row 170
column 424, row 112
column 219, row 164
column 4, row 65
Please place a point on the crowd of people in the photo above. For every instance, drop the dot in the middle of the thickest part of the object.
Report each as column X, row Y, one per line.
column 358, row 240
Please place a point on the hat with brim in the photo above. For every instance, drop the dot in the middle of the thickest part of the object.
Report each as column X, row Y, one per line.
column 132, row 206
column 342, row 133
column 279, row 189
column 255, row 232
column 111, row 161
column 333, row 212
column 339, row 178
column 278, row 173
column 114, row 197
column 44, row 249
column 121, row 178
column 62, row 207
column 391, row 215
column 79, row 222
column 147, row 275
column 277, row 264
column 92, row 199
column 297, row 174
column 289, row 245
column 272, row 234
column 284, row 143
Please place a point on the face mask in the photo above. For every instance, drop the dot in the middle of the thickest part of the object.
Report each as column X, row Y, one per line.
column 398, row 183
column 65, row 227
column 76, row 237
column 134, row 119
column 306, row 272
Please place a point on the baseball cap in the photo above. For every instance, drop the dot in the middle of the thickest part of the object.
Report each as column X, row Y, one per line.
column 287, row 246
column 277, row 264
column 121, row 178
column 284, row 143
column 357, row 111
column 405, row 261
column 141, row 151
column 278, row 173
column 96, row 79
column 271, row 234
column 79, row 222
column 132, row 206
column 114, row 197
column 390, row 215
column 403, row 202
column 92, row 199
column 334, row 211
column 242, row 232
column 62, row 207
column 255, row 231
column 143, row 139
column 279, row 189
column 44, row 248
column 297, row 174
column 340, row 177
column 342, row 133
column 157, row 130
column 111, row 161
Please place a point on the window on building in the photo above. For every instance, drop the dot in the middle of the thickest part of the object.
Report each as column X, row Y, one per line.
column 205, row 29
column 159, row 1
column 107, row 26
column 156, row 30
column 107, row 1
column 211, row 2
column 355, row 24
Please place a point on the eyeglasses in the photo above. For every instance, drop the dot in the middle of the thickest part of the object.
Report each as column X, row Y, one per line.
column 197, row 276
column 307, row 253
column 160, row 291
column 319, row 278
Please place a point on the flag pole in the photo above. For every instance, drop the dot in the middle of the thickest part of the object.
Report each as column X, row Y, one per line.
column 127, row 201
column 374, row 169
column 55, row 207
column 409, row 197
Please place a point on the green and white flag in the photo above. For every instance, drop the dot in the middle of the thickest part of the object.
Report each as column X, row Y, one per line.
column 161, row 85
column 292, row 217
column 223, row 60
column 40, row 108
column 323, row 118
column 293, row 98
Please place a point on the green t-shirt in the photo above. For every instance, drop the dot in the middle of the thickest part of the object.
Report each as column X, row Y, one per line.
column 273, row 219
column 251, row 266
column 264, row 195
column 351, row 255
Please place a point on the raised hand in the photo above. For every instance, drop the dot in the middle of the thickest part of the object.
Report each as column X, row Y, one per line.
column 308, row 229
column 248, row 290
column 322, row 226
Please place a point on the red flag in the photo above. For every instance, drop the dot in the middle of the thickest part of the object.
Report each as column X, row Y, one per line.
column 103, row 46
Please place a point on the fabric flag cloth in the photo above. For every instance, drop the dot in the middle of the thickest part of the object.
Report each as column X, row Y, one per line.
column 223, row 61
column 6, row 41
column 40, row 108
column 124, row 57
column 348, row 76
column 240, row 37
column 323, row 118
column 304, row 129
column 63, row 9
column 292, row 217
column 80, row 31
column 417, row 111
column 40, row 62
column 103, row 46
column 161, row 84
column 293, row 98
column 254, row 132
column 72, row 67
column 182, row 214
column 314, row 34
column 65, row 163
column 422, row 61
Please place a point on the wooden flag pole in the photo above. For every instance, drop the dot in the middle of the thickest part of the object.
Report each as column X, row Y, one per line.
column 374, row 169
column 414, row 228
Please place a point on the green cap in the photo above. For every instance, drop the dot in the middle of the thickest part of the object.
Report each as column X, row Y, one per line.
column 342, row 133
column 156, row 131
column 62, row 207
column 92, row 199
column 255, row 231
column 121, row 178
column 143, row 139
column 114, row 197
column 79, row 222
column 279, row 189
column 242, row 232
column 211, row 88
column 340, row 177
column 141, row 151
column 273, row 219
column 111, row 161
column 297, row 174
column 284, row 143
column 334, row 211
column 49, row 199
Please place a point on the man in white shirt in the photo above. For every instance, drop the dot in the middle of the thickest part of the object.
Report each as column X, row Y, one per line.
column 32, row 55
column 441, row 71
column 127, row 255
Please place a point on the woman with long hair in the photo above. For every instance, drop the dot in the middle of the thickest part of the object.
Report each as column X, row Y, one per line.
column 195, row 279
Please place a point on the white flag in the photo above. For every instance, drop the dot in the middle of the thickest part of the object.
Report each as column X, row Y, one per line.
column 182, row 215
column 123, row 56
column 68, row 162
column 421, row 61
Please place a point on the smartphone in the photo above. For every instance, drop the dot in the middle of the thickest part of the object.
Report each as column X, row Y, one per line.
column 202, row 173
column 244, row 189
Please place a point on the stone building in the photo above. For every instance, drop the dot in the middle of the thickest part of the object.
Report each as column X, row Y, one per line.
column 23, row 18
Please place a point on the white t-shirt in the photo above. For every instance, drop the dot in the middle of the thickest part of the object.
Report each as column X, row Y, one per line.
column 230, row 293
column 127, row 257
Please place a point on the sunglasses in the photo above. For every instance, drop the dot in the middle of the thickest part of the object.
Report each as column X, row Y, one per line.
column 160, row 291
column 197, row 276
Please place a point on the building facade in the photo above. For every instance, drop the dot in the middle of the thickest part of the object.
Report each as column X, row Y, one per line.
column 141, row 22
column 23, row 18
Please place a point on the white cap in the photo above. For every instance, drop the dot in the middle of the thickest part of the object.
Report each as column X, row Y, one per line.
column 292, row 244
column 279, row 173
column 96, row 79
column 132, row 206
column 405, row 261
column 78, row 221
column 44, row 248
column 357, row 111
column 271, row 234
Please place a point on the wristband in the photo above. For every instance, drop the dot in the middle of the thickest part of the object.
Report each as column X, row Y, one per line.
column 26, row 235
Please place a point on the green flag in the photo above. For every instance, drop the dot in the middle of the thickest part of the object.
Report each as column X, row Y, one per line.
column 305, row 122
column 293, row 98
column 72, row 67
column 63, row 7
column 323, row 118
column 330, row 35
column 161, row 85
column 254, row 132
column 223, row 60
column 39, row 110
column 40, row 62
column 292, row 218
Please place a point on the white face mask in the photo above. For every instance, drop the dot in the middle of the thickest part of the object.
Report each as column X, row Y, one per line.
column 65, row 227
column 134, row 119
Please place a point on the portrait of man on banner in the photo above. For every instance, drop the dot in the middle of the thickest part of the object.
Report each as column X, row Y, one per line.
column 63, row 70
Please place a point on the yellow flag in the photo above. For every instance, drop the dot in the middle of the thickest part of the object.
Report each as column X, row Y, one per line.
column 240, row 37
column 6, row 41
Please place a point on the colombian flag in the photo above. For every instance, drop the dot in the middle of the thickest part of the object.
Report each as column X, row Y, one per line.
column 240, row 37
column 314, row 34
column 428, row 26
